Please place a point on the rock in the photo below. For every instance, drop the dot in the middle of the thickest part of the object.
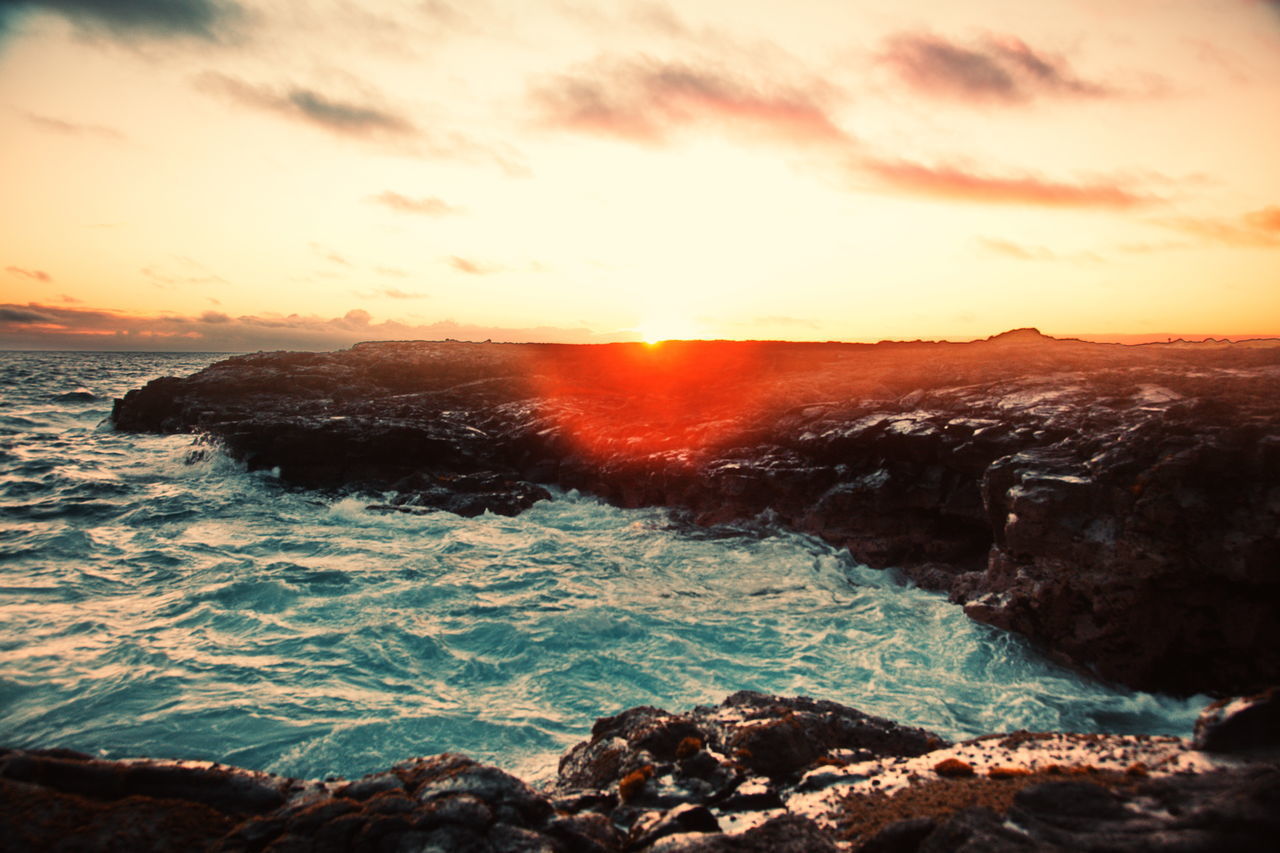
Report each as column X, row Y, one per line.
column 748, row 734
column 1247, row 725
column 1117, row 504
column 886, row 788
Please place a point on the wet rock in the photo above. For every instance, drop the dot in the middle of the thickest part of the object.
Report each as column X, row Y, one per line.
column 886, row 788
column 1246, row 725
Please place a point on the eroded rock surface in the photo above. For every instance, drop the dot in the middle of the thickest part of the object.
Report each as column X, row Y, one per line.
column 1120, row 505
column 755, row 773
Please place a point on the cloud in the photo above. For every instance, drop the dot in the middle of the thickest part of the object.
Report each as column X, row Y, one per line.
column 38, row 275
column 71, row 128
column 362, row 117
column 37, row 326
column 470, row 267
column 210, row 20
column 13, row 314
column 1258, row 229
column 957, row 184
column 396, row 293
column 391, row 293
column 427, row 205
column 1004, row 248
column 999, row 69
column 330, row 255
column 188, row 271
column 329, row 113
column 1013, row 250
column 646, row 100
column 1268, row 218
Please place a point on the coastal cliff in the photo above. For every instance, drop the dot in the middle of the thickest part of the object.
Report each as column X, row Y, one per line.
column 1118, row 504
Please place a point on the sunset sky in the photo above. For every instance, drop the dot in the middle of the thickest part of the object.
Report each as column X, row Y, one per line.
column 243, row 175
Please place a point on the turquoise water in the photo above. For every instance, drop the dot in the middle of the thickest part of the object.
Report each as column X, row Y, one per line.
column 155, row 605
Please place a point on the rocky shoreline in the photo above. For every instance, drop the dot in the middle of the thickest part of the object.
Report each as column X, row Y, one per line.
column 1120, row 505
column 755, row 773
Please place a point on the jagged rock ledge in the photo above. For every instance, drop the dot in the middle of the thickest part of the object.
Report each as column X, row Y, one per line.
column 756, row 773
column 1118, row 504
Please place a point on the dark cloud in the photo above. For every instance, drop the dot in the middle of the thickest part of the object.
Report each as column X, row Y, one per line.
column 335, row 115
column 1258, row 229
column 427, row 205
column 203, row 19
column 956, row 184
column 12, row 314
column 38, row 275
column 59, row 327
column 998, row 69
column 645, row 100
column 363, row 117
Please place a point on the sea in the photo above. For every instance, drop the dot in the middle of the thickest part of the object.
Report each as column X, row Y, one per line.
column 156, row 599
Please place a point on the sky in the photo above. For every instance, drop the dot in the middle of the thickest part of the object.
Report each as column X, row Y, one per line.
column 238, row 175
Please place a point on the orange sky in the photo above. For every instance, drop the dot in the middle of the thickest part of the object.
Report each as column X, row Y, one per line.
column 242, row 175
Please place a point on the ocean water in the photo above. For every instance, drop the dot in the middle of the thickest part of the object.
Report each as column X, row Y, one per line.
column 160, row 602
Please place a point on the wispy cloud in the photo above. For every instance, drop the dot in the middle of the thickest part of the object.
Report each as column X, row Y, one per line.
column 997, row 69
column 180, row 270
column 60, row 327
column 425, row 205
column 210, row 20
column 38, row 275
column 1017, row 251
column 470, row 267
column 1006, row 249
column 341, row 116
column 71, row 128
column 646, row 100
column 362, row 116
column 954, row 183
column 330, row 255
column 1259, row 229
column 393, row 293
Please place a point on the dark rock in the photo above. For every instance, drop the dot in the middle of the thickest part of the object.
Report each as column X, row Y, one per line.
column 586, row 833
column 749, row 733
column 784, row 834
column 1119, row 793
column 1248, row 725
column 681, row 819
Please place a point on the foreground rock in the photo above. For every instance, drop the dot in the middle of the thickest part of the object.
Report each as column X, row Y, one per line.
column 756, row 773
column 1120, row 505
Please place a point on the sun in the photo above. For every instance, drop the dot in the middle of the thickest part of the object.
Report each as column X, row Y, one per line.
column 667, row 327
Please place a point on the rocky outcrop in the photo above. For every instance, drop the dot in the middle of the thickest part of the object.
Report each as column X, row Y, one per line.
column 755, row 773
column 1118, row 504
